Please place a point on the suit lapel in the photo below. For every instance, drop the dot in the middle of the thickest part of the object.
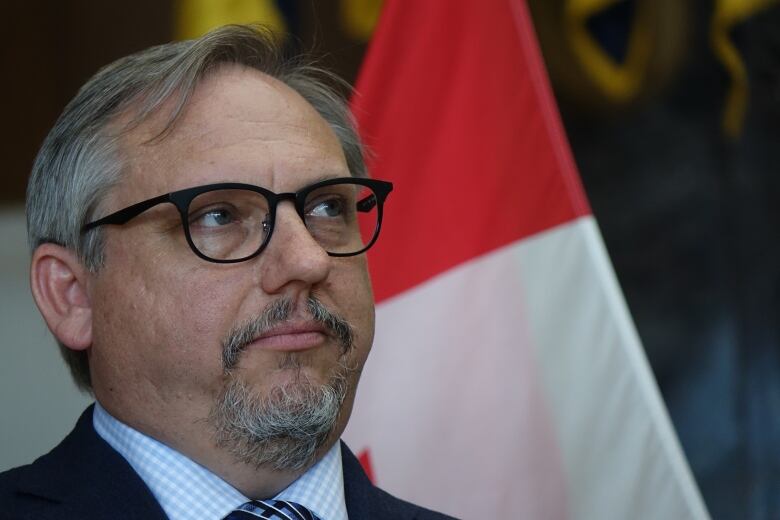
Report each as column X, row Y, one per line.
column 83, row 477
column 364, row 500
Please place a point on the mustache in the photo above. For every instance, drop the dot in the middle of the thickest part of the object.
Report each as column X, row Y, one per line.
column 276, row 313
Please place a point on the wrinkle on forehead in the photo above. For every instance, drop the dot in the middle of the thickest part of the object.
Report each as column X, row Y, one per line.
column 212, row 98
column 230, row 110
column 276, row 97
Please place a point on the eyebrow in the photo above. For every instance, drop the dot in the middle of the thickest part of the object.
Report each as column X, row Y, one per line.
column 325, row 177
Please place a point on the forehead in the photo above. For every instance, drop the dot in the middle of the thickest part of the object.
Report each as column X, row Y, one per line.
column 240, row 125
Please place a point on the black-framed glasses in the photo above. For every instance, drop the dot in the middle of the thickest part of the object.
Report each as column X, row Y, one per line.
column 232, row 222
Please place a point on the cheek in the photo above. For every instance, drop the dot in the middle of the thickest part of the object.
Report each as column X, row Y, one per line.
column 159, row 326
column 356, row 302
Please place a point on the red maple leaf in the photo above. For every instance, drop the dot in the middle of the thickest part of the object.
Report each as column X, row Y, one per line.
column 365, row 460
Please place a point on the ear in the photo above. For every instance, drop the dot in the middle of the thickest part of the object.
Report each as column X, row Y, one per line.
column 58, row 281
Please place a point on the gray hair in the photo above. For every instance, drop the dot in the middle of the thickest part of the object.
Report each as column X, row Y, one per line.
column 80, row 160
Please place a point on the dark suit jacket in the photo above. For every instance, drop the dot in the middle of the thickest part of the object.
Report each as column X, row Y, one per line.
column 85, row 478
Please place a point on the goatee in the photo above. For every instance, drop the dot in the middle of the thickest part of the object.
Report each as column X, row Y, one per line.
column 284, row 429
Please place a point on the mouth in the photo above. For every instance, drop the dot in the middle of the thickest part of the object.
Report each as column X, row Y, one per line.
column 291, row 337
column 279, row 329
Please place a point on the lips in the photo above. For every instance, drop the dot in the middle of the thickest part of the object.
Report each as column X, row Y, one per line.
column 291, row 337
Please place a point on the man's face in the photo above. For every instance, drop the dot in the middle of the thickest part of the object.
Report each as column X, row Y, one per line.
column 163, row 317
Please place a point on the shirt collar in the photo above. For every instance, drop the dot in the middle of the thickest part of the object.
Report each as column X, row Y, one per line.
column 186, row 490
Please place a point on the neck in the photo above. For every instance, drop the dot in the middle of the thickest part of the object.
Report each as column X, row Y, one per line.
column 198, row 444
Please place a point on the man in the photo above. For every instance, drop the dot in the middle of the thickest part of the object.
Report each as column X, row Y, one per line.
column 198, row 217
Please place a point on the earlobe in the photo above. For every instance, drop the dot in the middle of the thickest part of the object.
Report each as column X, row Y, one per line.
column 59, row 286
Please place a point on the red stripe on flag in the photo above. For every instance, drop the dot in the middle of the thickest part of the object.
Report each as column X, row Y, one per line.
column 455, row 106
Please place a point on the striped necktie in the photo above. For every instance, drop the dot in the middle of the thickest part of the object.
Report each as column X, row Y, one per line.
column 271, row 510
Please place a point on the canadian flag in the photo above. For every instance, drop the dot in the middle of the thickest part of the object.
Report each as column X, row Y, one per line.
column 506, row 379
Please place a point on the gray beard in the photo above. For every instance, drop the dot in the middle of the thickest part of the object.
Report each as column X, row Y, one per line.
column 285, row 429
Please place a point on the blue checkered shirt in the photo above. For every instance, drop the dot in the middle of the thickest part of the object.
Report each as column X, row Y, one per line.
column 187, row 490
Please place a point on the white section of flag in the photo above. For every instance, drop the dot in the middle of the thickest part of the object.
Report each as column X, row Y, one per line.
column 515, row 386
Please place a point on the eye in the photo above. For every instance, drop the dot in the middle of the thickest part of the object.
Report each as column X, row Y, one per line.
column 330, row 207
column 213, row 217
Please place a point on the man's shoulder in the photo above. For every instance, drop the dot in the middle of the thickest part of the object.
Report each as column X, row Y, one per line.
column 395, row 505
column 82, row 477
column 9, row 483
column 26, row 491
column 17, row 499
column 23, row 487
column 365, row 500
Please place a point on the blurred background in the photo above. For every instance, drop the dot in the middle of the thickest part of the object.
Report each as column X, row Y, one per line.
column 672, row 109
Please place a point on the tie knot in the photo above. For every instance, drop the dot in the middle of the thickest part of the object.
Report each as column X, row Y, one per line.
column 271, row 510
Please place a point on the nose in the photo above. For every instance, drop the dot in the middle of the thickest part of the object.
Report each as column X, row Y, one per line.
column 292, row 259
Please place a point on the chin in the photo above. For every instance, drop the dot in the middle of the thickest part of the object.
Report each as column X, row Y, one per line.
column 288, row 422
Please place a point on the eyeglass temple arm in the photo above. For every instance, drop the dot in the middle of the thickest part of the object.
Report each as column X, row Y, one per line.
column 381, row 189
column 124, row 215
column 367, row 204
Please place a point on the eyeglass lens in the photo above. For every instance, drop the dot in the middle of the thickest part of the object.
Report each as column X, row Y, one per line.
column 230, row 224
